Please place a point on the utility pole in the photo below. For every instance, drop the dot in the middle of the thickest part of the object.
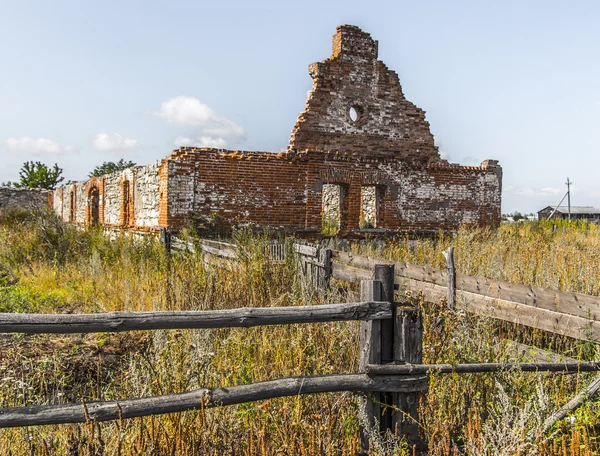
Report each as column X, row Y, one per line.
column 569, row 196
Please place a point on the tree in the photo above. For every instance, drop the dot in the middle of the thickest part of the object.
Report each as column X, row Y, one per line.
column 111, row 167
column 38, row 175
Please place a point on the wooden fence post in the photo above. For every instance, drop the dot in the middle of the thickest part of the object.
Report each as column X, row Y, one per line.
column 326, row 269
column 408, row 349
column 449, row 256
column 165, row 239
column 384, row 273
column 401, row 342
column 370, row 353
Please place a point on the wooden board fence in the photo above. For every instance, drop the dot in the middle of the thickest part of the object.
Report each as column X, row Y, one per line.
column 565, row 313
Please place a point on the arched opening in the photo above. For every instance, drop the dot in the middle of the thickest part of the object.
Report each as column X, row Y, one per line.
column 94, row 206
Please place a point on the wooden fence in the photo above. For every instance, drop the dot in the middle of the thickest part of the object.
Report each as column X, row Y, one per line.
column 385, row 341
column 566, row 313
column 391, row 375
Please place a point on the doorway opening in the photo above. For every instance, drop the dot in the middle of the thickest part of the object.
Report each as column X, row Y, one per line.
column 94, row 206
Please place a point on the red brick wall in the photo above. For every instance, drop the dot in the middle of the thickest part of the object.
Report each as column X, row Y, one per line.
column 285, row 191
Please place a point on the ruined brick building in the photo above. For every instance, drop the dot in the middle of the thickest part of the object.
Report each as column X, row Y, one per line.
column 360, row 154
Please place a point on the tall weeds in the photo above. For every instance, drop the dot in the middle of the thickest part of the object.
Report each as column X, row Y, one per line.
column 46, row 266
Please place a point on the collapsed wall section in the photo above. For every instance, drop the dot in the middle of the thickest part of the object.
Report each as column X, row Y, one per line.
column 357, row 107
column 23, row 198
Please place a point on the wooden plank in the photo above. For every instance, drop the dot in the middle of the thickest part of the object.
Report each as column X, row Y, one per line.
column 540, row 355
column 586, row 394
column 221, row 252
column 546, row 320
column 228, row 318
column 326, row 254
column 385, row 274
column 307, row 250
column 534, row 317
column 577, row 304
column 431, row 292
column 411, row 271
column 450, row 276
column 202, row 398
column 408, row 348
column 349, row 273
column 581, row 305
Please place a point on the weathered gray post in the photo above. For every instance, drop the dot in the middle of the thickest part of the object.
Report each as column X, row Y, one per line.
column 384, row 273
column 408, row 349
column 451, row 271
column 165, row 239
column 326, row 269
column 370, row 353
column 394, row 341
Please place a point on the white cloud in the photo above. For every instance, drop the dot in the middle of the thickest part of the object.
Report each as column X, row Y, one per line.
column 35, row 145
column 202, row 141
column 213, row 130
column 113, row 141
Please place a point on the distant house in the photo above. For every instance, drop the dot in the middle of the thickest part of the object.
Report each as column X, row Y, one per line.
column 577, row 213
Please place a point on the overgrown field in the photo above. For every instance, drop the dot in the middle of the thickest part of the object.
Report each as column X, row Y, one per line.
column 48, row 267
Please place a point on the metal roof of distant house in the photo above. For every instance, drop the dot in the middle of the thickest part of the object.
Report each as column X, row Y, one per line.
column 576, row 209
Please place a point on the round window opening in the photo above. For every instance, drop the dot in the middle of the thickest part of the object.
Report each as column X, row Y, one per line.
column 355, row 113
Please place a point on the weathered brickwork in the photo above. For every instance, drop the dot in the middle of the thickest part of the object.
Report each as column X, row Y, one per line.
column 23, row 198
column 356, row 106
column 112, row 199
column 357, row 135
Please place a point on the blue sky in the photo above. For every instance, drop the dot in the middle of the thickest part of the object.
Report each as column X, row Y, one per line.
column 82, row 82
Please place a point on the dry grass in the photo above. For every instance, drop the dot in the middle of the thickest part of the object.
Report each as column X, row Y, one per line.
column 46, row 267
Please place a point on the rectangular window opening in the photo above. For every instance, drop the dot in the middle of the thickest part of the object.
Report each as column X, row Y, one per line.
column 331, row 211
column 370, row 202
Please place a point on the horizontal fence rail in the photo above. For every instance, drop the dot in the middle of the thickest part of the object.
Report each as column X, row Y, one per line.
column 415, row 369
column 229, row 318
column 204, row 398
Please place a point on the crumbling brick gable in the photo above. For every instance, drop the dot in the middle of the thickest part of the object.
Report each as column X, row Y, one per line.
column 386, row 124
